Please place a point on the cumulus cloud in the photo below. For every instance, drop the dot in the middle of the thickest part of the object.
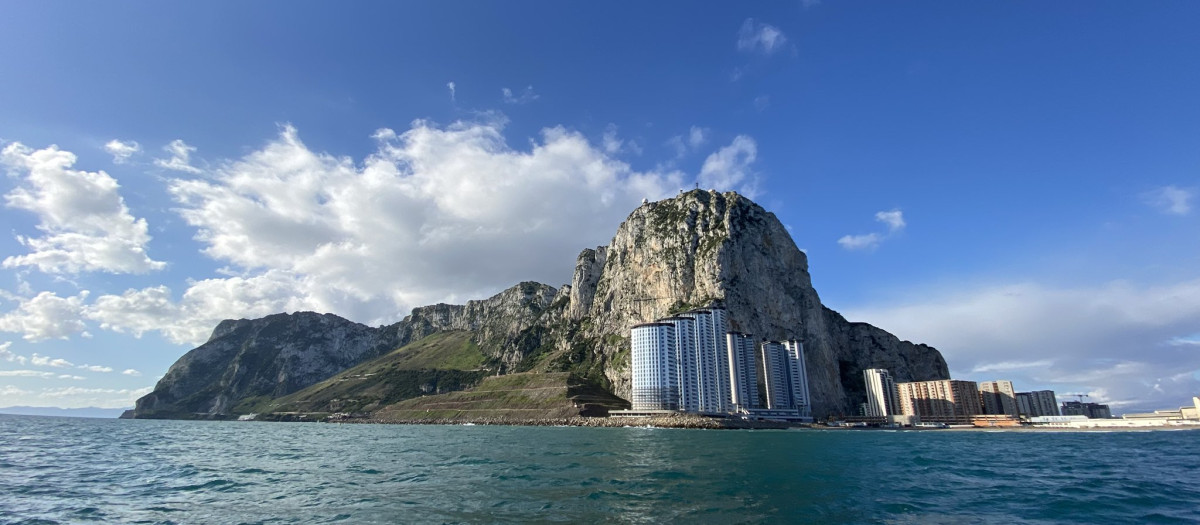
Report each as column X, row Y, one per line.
column 695, row 138
column 729, row 167
column 1170, row 199
column 204, row 304
column 26, row 373
column 72, row 377
column 96, row 368
column 894, row 219
column 412, row 224
column 83, row 217
column 9, row 356
column 1115, row 338
column 122, row 150
column 46, row 316
column 42, row 360
column 180, row 159
column 860, row 242
column 758, row 37
column 526, row 96
column 131, row 372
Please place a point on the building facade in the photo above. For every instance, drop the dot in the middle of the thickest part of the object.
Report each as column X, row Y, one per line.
column 743, row 374
column 1038, row 403
column 998, row 398
column 654, row 361
column 881, row 393
column 1089, row 410
column 945, row 401
column 785, row 375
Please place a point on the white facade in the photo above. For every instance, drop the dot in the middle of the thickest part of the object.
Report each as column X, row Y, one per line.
column 711, row 362
column 882, row 399
column 688, row 357
column 743, row 374
column 786, row 376
column 655, row 367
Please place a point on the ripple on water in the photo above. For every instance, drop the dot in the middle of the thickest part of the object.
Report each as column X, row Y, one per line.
column 164, row 471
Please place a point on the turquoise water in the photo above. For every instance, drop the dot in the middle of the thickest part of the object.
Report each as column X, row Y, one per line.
column 74, row 470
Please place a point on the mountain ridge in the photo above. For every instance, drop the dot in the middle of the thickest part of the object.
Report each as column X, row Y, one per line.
column 690, row 250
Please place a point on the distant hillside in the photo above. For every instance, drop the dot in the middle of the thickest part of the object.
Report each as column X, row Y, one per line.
column 442, row 362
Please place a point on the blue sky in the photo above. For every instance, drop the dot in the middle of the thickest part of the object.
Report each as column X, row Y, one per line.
column 1014, row 183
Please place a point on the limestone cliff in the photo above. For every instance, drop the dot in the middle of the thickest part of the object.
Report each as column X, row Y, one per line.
column 697, row 248
column 268, row 357
column 701, row 247
column 245, row 360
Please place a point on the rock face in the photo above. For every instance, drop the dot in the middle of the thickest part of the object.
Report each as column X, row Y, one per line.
column 702, row 247
column 273, row 356
column 695, row 249
column 284, row 353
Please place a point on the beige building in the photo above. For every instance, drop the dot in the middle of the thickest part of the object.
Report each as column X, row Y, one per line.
column 946, row 401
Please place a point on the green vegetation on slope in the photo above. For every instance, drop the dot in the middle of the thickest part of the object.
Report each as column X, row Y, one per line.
column 514, row 396
column 442, row 362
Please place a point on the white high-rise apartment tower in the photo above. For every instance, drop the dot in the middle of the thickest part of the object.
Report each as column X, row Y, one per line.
column 655, row 367
column 786, row 376
column 743, row 374
column 882, row 399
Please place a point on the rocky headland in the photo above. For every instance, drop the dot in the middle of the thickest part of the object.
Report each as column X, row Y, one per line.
column 695, row 249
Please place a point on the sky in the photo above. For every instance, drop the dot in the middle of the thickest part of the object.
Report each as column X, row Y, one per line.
column 1014, row 183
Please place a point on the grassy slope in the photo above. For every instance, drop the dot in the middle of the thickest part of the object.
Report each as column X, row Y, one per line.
column 442, row 362
column 513, row 396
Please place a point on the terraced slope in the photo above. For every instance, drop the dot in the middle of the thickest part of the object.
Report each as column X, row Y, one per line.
column 442, row 362
column 515, row 397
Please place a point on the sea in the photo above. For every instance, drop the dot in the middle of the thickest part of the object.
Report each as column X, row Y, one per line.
column 73, row 470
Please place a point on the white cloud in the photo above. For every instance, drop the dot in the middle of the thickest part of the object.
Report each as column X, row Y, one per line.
column 69, row 376
column 453, row 92
column 1171, row 199
column 697, row 136
column 131, row 372
column 26, row 373
column 729, row 167
column 407, row 226
column 525, row 97
column 46, row 316
column 96, row 368
column 1008, row 366
column 9, row 356
column 761, row 102
column 121, row 151
column 759, row 37
column 894, row 219
column 1115, row 336
column 86, row 224
column 203, row 305
column 180, row 160
column 9, row 391
column 42, row 360
column 860, row 242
